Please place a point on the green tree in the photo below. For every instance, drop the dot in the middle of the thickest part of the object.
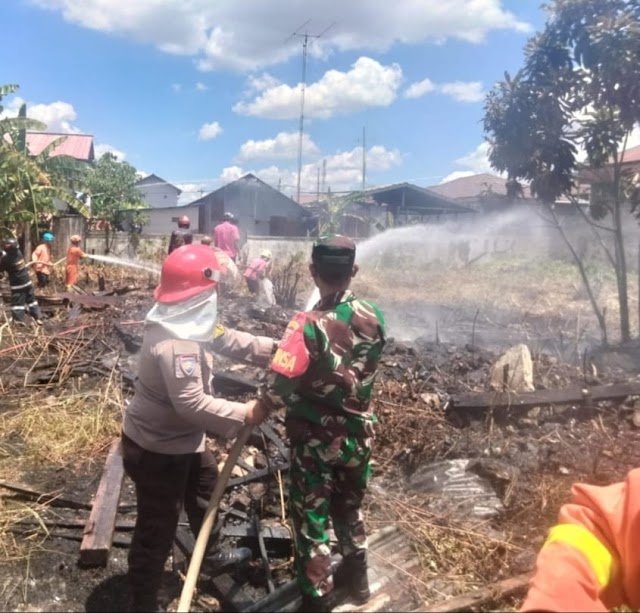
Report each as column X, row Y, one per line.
column 111, row 184
column 28, row 185
column 579, row 90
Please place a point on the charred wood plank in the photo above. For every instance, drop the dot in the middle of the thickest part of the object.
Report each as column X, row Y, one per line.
column 250, row 531
column 527, row 400
column 52, row 499
column 258, row 474
column 234, row 595
column 98, row 533
column 228, row 383
column 472, row 601
column 269, row 432
column 73, row 523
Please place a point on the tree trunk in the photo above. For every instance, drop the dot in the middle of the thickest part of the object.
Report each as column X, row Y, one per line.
column 621, row 259
column 583, row 273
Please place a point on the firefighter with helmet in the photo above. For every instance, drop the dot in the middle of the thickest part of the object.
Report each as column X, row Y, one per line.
column 181, row 235
column 165, row 425
column 23, row 299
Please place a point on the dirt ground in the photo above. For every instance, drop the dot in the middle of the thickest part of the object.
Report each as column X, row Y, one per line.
column 64, row 389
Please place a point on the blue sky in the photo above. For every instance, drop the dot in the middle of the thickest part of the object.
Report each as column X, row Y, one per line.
column 201, row 92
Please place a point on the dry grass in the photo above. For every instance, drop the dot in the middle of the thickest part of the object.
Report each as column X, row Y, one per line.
column 449, row 552
column 70, row 430
column 539, row 287
column 61, row 430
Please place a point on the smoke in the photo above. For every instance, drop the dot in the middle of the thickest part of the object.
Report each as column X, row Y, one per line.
column 397, row 269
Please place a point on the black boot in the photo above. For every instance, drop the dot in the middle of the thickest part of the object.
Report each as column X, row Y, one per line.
column 352, row 576
column 216, row 563
column 317, row 604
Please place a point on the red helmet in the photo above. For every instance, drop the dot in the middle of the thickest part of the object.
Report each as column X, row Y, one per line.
column 184, row 222
column 188, row 271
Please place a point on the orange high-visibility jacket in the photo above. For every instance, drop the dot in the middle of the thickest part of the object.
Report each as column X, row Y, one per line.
column 591, row 559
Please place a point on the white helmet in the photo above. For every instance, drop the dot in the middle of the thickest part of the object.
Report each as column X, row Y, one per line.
column 266, row 254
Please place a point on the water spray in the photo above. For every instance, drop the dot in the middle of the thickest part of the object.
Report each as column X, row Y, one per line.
column 109, row 259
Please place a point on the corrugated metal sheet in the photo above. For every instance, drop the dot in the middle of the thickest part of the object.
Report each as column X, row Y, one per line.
column 78, row 146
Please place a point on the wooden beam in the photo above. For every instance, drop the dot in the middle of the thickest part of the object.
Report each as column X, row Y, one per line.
column 98, row 533
column 472, row 601
column 527, row 400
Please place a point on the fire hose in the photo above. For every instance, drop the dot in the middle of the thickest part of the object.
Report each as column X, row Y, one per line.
column 209, row 520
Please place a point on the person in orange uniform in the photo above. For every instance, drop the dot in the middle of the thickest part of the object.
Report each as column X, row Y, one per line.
column 74, row 255
column 591, row 558
column 41, row 258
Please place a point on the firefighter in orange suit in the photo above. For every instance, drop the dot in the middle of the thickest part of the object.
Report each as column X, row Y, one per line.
column 591, row 558
column 74, row 255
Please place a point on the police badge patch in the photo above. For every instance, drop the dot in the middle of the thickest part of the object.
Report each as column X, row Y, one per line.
column 185, row 365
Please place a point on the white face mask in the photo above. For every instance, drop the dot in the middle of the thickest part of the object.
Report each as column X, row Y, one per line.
column 193, row 320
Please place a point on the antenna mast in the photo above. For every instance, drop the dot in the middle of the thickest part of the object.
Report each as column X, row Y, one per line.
column 305, row 44
column 364, row 158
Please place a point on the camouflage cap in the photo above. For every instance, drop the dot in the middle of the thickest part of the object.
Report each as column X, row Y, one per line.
column 334, row 249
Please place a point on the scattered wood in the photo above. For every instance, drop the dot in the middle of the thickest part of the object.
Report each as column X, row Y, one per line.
column 124, row 526
column 234, row 595
column 250, row 531
column 52, row 499
column 275, row 439
column 527, row 400
column 263, row 555
column 258, row 474
column 472, row 601
column 227, row 383
column 98, row 534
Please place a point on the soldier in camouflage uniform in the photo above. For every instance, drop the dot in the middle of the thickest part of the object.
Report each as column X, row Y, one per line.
column 324, row 372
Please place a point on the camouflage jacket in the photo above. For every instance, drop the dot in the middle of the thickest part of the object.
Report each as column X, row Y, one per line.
column 343, row 338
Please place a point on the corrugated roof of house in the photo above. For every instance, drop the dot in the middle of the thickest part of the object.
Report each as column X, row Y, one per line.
column 153, row 179
column 632, row 155
column 78, row 146
column 474, row 185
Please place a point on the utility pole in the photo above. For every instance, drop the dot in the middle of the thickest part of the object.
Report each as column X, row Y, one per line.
column 305, row 44
column 318, row 187
column 324, row 175
column 364, row 158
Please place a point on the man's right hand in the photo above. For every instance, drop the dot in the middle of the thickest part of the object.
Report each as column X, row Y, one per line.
column 256, row 412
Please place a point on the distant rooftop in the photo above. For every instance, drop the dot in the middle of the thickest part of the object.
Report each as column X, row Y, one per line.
column 78, row 146
column 467, row 188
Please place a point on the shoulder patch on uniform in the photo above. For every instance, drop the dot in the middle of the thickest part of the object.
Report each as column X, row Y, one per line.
column 218, row 331
column 185, row 365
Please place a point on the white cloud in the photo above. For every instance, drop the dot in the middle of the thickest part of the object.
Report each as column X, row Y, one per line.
column 344, row 173
column 477, row 161
column 462, row 91
column 457, row 174
column 344, row 170
column 209, row 131
column 103, row 148
column 225, row 34
column 473, row 163
column 367, row 84
column 283, row 147
column 58, row 116
column 420, row 88
column 201, row 87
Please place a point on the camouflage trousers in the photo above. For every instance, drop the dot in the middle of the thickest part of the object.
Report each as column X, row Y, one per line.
column 328, row 480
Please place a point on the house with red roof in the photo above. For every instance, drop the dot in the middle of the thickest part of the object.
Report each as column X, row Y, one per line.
column 77, row 146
